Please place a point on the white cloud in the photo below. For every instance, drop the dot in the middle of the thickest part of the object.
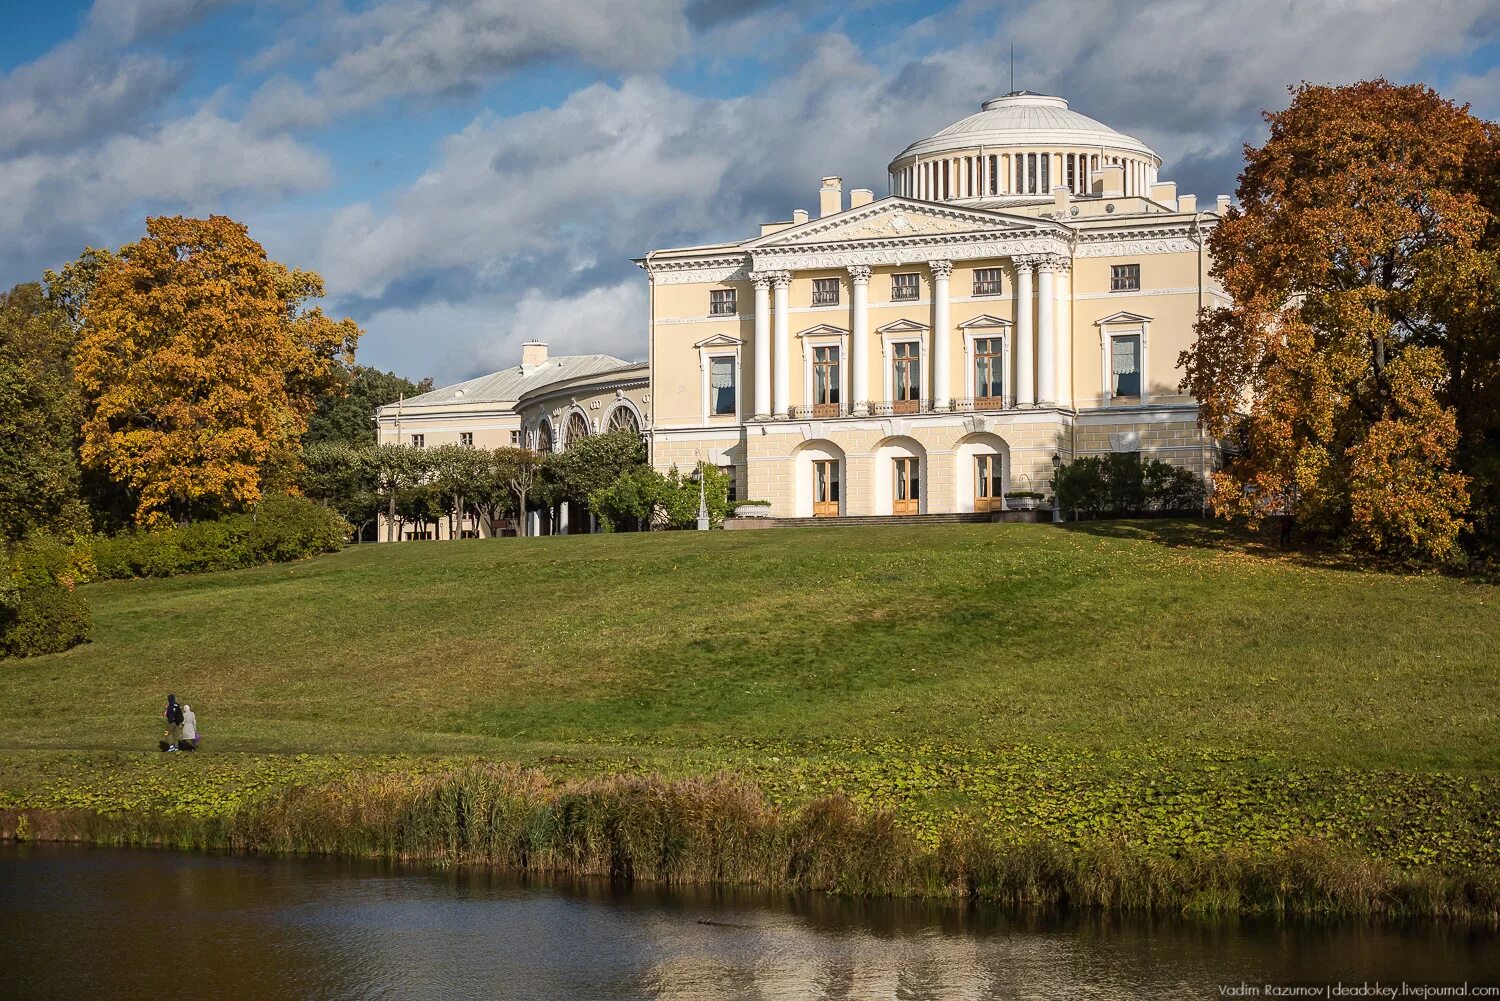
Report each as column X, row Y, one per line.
column 125, row 21
column 186, row 165
column 75, row 92
column 402, row 48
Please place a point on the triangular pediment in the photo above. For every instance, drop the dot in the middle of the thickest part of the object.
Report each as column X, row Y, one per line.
column 985, row 320
column 902, row 326
column 896, row 218
column 822, row 328
column 1123, row 317
column 719, row 341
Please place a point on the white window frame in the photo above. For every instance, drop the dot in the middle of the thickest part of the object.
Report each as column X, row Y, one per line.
column 418, row 440
column 707, row 358
column 734, row 294
column 904, row 332
column 990, row 327
column 1123, row 325
column 822, row 336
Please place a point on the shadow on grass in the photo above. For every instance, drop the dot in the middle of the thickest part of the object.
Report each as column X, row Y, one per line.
column 1235, row 537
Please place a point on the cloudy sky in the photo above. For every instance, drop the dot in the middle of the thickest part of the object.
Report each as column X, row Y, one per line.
column 470, row 174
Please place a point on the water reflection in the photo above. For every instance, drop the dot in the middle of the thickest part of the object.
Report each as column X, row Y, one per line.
column 93, row 923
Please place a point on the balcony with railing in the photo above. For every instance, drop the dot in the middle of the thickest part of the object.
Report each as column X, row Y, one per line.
column 903, row 293
column 986, row 288
column 826, row 297
column 721, row 307
column 970, row 404
column 817, row 411
column 890, row 408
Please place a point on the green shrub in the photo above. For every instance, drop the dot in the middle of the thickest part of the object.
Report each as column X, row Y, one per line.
column 281, row 529
column 39, row 610
column 1122, row 483
column 664, row 501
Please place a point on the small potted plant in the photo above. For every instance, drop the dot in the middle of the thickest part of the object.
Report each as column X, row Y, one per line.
column 1022, row 500
column 752, row 509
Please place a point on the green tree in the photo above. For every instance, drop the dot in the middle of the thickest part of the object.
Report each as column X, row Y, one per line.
column 393, row 468
column 342, row 478
column 520, row 470
column 346, row 413
column 39, row 417
column 593, row 464
column 459, row 472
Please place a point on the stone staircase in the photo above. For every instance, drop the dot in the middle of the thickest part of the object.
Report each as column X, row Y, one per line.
column 884, row 519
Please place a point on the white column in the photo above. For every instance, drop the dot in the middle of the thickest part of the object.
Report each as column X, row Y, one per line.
column 1064, row 333
column 762, row 343
column 783, row 360
column 1025, row 335
column 1046, row 333
column 941, row 272
column 859, row 340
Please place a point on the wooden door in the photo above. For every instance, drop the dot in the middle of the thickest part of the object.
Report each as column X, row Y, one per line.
column 825, row 488
column 987, row 486
column 907, row 487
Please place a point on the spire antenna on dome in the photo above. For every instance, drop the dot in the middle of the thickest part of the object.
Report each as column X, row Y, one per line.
column 1012, row 67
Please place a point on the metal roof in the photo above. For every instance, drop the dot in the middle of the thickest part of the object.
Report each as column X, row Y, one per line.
column 510, row 384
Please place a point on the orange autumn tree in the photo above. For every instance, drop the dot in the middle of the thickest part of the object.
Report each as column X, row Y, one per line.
column 199, row 364
column 1351, row 374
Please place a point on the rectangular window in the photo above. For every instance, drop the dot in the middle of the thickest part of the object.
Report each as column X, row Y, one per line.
column 906, row 375
column 419, row 441
column 721, row 386
column 994, row 175
column 825, row 291
column 1125, row 364
column 1046, row 160
column 1073, row 172
column 904, row 287
column 466, row 439
column 986, row 281
column 826, row 381
column 515, row 439
column 989, row 372
column 721, row 302
column 1124, row 277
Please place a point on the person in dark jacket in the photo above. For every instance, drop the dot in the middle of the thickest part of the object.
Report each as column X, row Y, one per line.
column 174, row 724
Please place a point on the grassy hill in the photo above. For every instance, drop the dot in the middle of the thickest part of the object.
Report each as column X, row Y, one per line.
column 1164, row 682
column 1108, row 636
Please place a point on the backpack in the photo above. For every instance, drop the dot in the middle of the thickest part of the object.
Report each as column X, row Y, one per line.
column 174, row 714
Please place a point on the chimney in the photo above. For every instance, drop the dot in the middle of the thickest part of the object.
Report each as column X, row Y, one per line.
column 1221, row 205
column 1164, row 192
column 799, row 216
column 1060, row 200
column 831, row 196
column 533, row 353
column 1109, row 181
column 860, row 196
column 1187, row 203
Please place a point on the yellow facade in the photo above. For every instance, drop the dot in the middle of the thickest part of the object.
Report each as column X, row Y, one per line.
column 1025, row 328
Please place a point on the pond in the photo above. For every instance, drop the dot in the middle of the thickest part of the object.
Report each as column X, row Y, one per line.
column 84, row 922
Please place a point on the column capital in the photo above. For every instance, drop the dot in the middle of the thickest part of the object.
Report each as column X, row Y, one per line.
column 1026, row 262
column 781, row 279
column 762, row 279
column 859, row 274
column 941, row 269
column 1053, row 263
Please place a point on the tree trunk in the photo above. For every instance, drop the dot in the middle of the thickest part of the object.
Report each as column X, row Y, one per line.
column 390, row 519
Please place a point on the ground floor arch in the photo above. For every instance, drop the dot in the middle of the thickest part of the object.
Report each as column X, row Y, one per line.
column 900, row 476
column 982, row 473
column 820, row 475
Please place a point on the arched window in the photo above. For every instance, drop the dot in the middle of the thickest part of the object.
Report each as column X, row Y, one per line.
column 544, row 437
column 578, row 429
column 622, row 418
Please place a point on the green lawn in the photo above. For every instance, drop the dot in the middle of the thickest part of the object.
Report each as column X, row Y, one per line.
column 1115, row 636
column 1169, row 684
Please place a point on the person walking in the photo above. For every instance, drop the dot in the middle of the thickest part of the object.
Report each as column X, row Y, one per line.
column 174, row 723
column 189, row 740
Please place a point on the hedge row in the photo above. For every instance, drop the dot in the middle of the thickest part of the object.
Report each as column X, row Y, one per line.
column 40, row 612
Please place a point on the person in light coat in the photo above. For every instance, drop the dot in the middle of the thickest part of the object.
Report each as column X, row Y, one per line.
column 189, row 728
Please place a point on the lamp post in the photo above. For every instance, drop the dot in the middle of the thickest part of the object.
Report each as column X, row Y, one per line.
column 702, row 499
column 1056, row 508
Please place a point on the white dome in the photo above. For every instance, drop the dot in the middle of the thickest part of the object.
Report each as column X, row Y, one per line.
column 1026, row 119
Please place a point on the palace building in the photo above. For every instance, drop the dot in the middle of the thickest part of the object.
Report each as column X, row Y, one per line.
column 1019, row 298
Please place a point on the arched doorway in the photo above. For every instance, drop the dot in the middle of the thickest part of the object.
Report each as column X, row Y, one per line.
column 983, row 472
column 900, row 476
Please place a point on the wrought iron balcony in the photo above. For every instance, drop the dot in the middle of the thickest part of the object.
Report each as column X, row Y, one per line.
column 890, row 408
column 968, row 404
column 986, row 288
column 826, row 298
column 817, row 411
column 721, row 308
column 900, row 293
